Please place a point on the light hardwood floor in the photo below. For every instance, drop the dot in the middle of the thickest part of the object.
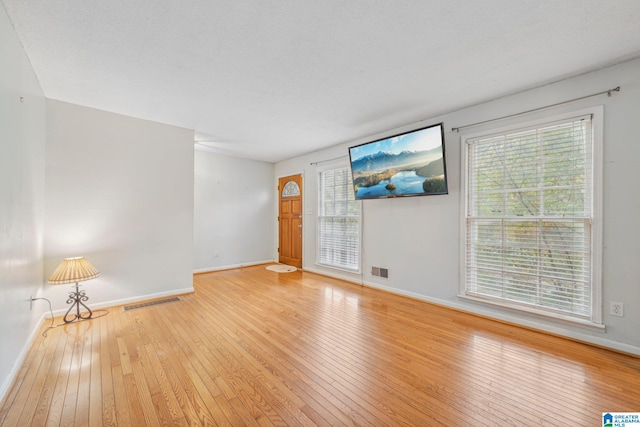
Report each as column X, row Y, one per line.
column 253, row 347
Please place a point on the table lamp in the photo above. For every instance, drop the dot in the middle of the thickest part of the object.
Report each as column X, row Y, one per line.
column 75, row 270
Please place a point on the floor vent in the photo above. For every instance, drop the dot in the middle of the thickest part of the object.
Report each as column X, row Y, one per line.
column 150, row 303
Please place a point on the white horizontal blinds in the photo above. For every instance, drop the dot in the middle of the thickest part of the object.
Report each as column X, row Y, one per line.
column 529, row 217
column 338, row 221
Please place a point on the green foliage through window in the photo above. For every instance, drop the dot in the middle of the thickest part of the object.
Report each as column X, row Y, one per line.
column 529, row 217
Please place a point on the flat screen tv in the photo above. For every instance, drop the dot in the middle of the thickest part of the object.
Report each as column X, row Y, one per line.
column 408, row 164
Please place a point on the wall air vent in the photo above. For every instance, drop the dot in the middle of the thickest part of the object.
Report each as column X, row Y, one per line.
column 380, row 272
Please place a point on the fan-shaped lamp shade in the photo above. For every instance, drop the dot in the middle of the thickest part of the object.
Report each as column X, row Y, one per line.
column 73, row 270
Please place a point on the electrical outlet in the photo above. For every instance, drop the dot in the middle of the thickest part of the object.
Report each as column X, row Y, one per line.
column 617, row 309
column 216, row 254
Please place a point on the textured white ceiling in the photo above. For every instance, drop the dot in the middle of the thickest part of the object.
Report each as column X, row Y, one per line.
column 272, row 79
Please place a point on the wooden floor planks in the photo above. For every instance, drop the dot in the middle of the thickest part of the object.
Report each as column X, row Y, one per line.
column 254, row 347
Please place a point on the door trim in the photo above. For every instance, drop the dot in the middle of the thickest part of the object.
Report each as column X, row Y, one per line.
column 293, row 252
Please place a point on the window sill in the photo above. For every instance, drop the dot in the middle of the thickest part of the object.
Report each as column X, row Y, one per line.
column 517, row 308
column 333, row 267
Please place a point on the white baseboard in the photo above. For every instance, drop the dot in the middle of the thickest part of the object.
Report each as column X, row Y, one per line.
column 231, row 266
column 346, row 277
column 123, row 301
column 506, row 317
column 603, row 342
column 46, row 315
column 17, row 364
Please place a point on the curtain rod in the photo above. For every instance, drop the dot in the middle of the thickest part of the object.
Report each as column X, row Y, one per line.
column 608, row 92
column 327, row 160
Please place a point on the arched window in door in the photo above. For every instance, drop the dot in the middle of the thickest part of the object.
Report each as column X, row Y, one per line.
column 290, row 189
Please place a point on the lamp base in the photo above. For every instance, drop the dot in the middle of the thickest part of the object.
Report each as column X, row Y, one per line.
column 76, row 299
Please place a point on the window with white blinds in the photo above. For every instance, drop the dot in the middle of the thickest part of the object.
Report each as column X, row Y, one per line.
column 529, row 223
column 338, row 221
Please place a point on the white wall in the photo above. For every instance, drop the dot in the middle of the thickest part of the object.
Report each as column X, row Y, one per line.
column 119, row 191
column 22, row 153
column 233, row 211
column 421, row 249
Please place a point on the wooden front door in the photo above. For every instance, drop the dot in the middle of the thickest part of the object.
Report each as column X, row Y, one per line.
column 290, row 220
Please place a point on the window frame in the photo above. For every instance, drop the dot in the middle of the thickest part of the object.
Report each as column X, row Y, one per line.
column 326, row 167
column 595, row 320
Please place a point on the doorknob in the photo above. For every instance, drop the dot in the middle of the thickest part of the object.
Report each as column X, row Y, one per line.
column 299, row 225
